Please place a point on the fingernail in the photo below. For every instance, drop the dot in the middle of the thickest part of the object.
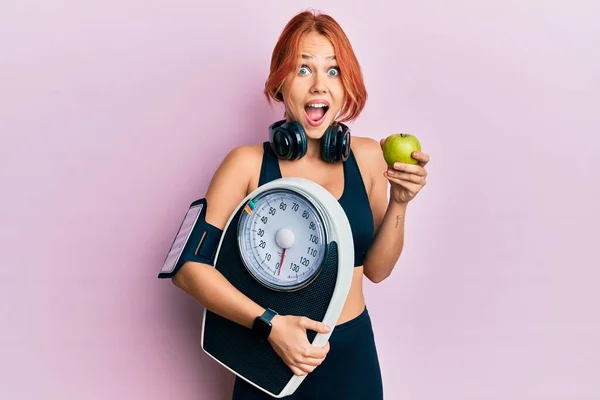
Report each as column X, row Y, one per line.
column 390, row 172
column 327, row 328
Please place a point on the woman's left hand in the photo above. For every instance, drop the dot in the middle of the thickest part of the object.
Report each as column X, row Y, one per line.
column 407, row 179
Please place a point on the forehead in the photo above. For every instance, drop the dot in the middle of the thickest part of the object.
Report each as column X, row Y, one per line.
column 315, row 45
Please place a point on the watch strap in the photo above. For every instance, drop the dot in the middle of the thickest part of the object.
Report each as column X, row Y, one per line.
column 262, row 324
column 268, row 315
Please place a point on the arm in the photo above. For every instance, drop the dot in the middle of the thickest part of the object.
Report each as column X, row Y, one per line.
column 210, row 288
column 390, row 214
column 384, row 252
column 202, row 281
column 388, row 243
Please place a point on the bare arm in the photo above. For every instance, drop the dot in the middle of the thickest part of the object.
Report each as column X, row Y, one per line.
column 385, row 250
column 203, row 282
column 406, row 181
column 387, row 244
column 210, row 288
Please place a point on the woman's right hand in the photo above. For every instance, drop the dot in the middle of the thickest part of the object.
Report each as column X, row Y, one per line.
column 288, row 339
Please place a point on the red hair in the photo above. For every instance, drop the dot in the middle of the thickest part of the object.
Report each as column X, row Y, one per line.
column 285, row 56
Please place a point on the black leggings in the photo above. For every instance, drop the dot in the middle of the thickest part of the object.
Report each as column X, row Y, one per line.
column 350, row 370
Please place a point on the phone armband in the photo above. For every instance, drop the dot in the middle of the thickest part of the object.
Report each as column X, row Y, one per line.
column 196, row 240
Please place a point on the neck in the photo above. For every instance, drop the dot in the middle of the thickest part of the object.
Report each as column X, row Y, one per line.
column 313, row 149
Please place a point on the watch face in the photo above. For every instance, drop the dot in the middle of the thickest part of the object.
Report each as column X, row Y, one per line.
column 261, row 328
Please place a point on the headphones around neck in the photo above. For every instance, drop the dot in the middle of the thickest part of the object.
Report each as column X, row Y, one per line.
column 288, row 141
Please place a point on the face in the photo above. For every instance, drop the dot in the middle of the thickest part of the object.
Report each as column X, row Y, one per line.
column 313, row 93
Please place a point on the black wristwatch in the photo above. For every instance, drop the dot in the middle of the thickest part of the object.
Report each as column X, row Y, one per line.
column 262, row 325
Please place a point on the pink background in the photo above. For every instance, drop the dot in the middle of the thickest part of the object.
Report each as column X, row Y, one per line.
column 115, row 114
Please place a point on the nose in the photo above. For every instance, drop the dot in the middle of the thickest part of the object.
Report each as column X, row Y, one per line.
column 318, row 84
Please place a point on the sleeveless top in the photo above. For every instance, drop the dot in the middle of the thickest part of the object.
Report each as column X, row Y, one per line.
column 354, row 200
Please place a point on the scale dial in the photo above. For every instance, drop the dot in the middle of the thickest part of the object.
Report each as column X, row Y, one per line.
column 282, row 239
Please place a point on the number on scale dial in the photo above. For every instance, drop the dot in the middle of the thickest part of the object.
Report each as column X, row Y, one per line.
column 281, row 238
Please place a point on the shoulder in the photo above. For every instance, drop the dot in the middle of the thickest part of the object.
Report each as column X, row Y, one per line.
column 369, row 157
column 365, row 147
column 230, row 182
column 245, row 153
column 245, row 160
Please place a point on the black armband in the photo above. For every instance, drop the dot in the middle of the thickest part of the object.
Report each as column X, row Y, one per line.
column 196, row 240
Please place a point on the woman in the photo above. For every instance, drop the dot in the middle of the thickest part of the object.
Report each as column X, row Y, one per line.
column 314, row 72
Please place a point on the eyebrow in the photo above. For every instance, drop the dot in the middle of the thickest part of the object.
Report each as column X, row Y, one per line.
column 307, row 57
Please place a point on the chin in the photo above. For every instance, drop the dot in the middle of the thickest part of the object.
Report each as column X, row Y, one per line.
column 316, row 132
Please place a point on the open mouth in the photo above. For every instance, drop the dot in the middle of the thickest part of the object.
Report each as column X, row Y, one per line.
column 315, row 112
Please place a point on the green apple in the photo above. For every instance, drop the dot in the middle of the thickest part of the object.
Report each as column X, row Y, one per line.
column 399, row 148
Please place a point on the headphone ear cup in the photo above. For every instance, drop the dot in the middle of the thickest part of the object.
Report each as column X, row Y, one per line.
column 287, row 140
column 335, row 145
column 298, row 138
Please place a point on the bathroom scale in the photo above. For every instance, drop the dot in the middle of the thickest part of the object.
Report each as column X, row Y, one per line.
column 288, row 246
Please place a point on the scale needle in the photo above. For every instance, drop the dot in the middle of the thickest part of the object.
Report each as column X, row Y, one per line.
column 281, row 262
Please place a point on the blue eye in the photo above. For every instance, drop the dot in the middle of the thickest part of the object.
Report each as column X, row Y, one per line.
column 335, row 71
column 303, row 71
